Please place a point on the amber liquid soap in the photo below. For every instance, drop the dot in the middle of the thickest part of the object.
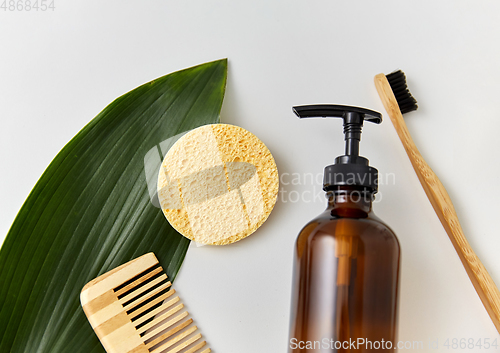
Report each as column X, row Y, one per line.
column 346, row 264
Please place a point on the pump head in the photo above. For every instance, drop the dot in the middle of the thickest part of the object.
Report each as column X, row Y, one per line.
column 351, row 168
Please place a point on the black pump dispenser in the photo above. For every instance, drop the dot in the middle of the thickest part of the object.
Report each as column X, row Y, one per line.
column 351, row 168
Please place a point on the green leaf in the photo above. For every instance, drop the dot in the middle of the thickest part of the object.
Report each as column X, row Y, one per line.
column 91, row 211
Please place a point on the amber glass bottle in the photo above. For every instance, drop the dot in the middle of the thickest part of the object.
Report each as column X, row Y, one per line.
column 346, row 265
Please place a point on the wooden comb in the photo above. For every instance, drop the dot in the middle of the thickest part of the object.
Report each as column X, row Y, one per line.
column 132, row 309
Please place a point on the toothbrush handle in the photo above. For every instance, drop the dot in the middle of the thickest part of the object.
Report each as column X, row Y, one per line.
column 440, row 200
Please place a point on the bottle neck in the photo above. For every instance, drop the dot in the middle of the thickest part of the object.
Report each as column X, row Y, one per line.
column 350, row 202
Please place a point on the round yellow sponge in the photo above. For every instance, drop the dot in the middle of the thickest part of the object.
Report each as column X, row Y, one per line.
column 218, row 184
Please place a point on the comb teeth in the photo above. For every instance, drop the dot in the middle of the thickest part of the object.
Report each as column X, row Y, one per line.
column 133, row 309
column 406, row 102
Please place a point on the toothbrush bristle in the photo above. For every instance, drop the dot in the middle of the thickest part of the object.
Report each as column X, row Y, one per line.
column 406, row 102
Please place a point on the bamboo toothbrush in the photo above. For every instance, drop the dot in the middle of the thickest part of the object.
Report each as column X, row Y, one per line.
column 132, row 309
column 397, row 100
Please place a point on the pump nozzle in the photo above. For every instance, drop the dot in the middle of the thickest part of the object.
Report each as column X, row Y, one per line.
column 335, row 111
column 351, row 162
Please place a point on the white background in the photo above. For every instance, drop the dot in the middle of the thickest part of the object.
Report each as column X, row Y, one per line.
column 59, row 68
